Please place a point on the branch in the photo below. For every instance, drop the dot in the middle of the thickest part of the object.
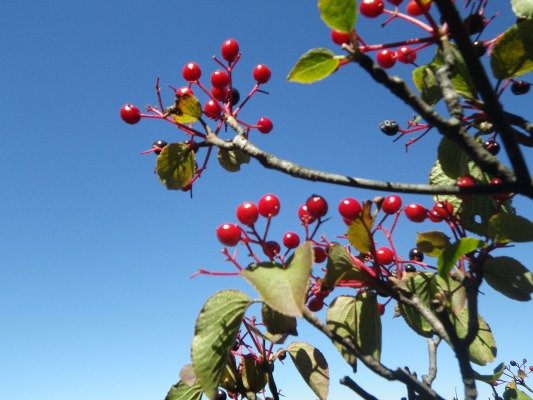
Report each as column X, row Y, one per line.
column 347, row 381
column 433, row 344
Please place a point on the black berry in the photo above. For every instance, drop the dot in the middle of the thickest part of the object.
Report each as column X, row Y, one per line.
column 492, row 146
column 417, row 255
column 221, row 395
column 158, row 144
column 513, row 363
column 409, row 268
column 235, row 96
column 475, row 23
column 389, row 128
column 480, row 48
column 520, row 87
column 282, row 355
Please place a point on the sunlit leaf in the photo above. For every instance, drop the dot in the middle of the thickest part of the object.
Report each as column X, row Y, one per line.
column 515, row 394
column 231, row 160
column 426, row 83
column 523, row 8
column 454, row 252
column 176, row 166
column 359, row 230
column 509, row 277
column 498, row 371
column 512, row 54
column 214, row 336
column 452, row 158
column 312, row 366
column 338, row 14
column 505, row 228
column 424, row 285
column 340, row 266
column 182, row 391
column 483, row 349
column 368, row 324
column 432, row 243
column 340, row 318
column 313, row 66
column 187, row 109
column 277, row 323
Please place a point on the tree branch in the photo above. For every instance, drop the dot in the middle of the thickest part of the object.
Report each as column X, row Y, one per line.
column 348, row 382
column 433, row 344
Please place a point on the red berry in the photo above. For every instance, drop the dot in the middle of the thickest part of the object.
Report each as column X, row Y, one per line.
column 291, row 240
column 229, row 234
column 315, row 304
column 271, row 249
column 465, row 181
column 415, row 212
column 434, row 216
column 531, row 368
column 264, row 125
column 414, row 10
column 340, row 38
column 386, row 58
column 371, row 8
column 498, row 196
column 212, row 109
column 317, row 206
column 384, row 256
column 391, row 204
column 130, row 114
column 347, row 221
column 184, row 90
column 219, row 94
column 444, row 209
column 320, row 254
column 191, row 72
column 219, row 79
column 406, row 55
column 262, row 73
column 268, row 205
column 247, row 213
column 381, row 309
column 395, row 2
column 230, row 50
column 305, row 216
column 349, row 208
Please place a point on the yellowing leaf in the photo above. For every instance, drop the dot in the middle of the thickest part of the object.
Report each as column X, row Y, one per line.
column 512, row 55
column 187, row 109
column 176, row 166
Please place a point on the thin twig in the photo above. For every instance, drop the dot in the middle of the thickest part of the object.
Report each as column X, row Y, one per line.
column 348, row 382
column 433, row 344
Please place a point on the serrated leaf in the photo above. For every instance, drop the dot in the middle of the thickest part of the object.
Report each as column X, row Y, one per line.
column 231, row 160
column 452, row 158
column 284, row 290
column 340, row 318
column 187, row 109
column 432, row 243
column 426, row 83
column 313, row 66
column 182, row 391
column 515, row 394
column 338, row 14
column 512, row 54
column 214, row 336
column 509, row 277
column 312, row 366
column 523, row 8
column 340, row 266
column 483, row 349
column 505, row 228
column 254, row 377
column 454, row 252
column 176, row 166
column 498, row 371
column 368, row 324
column 424, row 285
column 277, row 323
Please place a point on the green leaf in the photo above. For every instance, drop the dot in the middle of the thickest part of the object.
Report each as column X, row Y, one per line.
column 452, row 158
column 453, row 253
column 254, row 376
column 277, row 323
column 231, row 160
column 284, row 290
column 512, row 55
column 368, row 324
column 338, row 14
column 509, row 277
column 432, row 243
column 214, row 336
column 523, row 8
column 188, row 375
column 312, row 366
column 483, row 349
column 424, row 285
column 426, row 83
column 505, row 228
column 176, row 166
column 359, row 230
column 498, row 371
column 313, row 66
column 515, row 394
column 340, row 266
column 340, row 318
column 455, row 294
column 182, row 391
column 187, row 109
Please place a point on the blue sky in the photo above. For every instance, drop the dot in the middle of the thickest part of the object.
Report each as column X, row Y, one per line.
column 95, row 254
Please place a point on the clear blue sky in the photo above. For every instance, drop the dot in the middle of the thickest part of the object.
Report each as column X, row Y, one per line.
column 95, row 254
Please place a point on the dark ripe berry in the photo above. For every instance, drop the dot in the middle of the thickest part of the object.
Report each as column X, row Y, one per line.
column 304, row 215
column 492, row 146
column 520, row 87
column 415, row 254
column 444, row 209
column 130, row 114
column 282, row 355
column 384, row 256
column 317, row 206
column 271, row 249
column 415, row 212
column 291, row 240
column 230, row 50
column 395, row 2
column 480, row 48
column 406, row 55
column 498, row 196
column 191, row 72
column 315, row 304
column 434, row 216
column 220, row 395
column 371, row 8
column 349, row 208
column 247, row 213
column 513, row 363
column 465, row 181
column 229, row 234
column 212, row 109
column 264, row 125
column 340, row 38
column 158, row 145
column 391, row 204
column 236, row 345
column 234, row 96
column 474, row 23
column 414, row 9
column 409, row 268
column 320, row 254
column 268, row 205
column 389, row 127
column 381, row 309
column 262, row 73
column 386, row 58
column 219, row 79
